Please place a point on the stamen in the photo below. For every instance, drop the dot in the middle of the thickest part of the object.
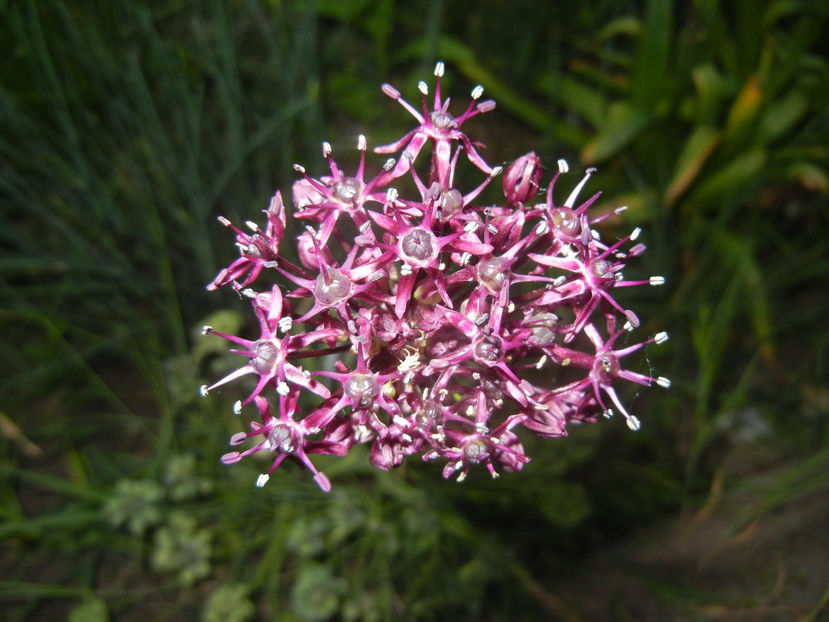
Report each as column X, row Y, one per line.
column 660, row 338
column 439, row 69
column 423, row 87
column 477, row 92
column 361, row 142
column 657, row 280
column 299, row 168
column 563, row 167
column 326, row 149
column 663, row 382
column 262, row 480
column 571, row 200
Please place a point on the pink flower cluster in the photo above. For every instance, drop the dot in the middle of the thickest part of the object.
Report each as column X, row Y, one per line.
column 436, row 326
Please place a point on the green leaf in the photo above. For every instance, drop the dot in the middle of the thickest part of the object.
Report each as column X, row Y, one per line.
column 782, row 115
column 722, row 185
column 693, row 156
column 652, row 54
column 625, row 121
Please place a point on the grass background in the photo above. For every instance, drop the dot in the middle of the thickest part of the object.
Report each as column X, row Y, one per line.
column 126, row 128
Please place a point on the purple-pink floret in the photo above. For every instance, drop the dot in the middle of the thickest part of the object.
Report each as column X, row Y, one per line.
column 430, row 324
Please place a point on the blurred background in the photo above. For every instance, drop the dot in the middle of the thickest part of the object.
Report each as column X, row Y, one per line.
column 126, row 128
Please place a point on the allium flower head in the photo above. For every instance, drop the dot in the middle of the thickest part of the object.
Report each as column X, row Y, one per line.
column 452, row 325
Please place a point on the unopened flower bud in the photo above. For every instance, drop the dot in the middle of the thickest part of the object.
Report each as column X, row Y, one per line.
column 522, row 178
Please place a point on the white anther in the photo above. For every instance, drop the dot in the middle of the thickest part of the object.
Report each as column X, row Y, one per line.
column 352, row 326
column 326, row 149
column 659, row 338
column 362, row 433
column 510, row 307
column 608, row 414
column 481, row 320
column 563, row 167
column 657, row 280
column 442, row 266
column 251, row 225
column 634, row 235
column 541, row 362
column 620, row 255
column 663, row 382
column 400, row 421
column 306, row 373
column 628, row 327
column 406, row 438
column 286, row 323
column 365, row 226
column 595, row 234
column 405, row 269
column 477, row 92
column 559, row 280
column 541, row 228
column 470, row 226
column 299, row 168
column 621, row 209
column 203, row 391
column 283, row 389
column 361, row 142
column 634, row 423
column 409, row 155
column 439, row 69
column 470, row 411
column 391, row 195
column 461, row 476
column 224, row 221
column 492, row 229
column 480, row 428
column 237, row 407
column 206, row 330
column 465, row 257
column 423, row 87
column 248, row 292
column 496, row 171
column 262, row 480
column 389, row 164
